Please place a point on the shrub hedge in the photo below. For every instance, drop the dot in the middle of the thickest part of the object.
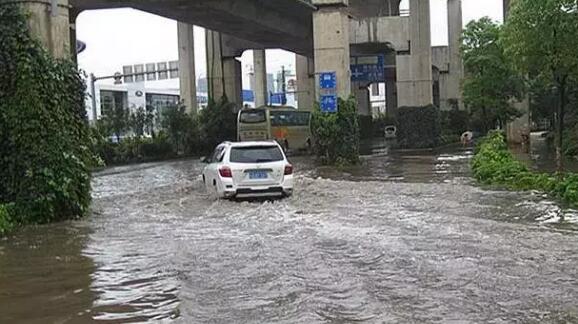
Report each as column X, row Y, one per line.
column 418, row 127
column 493, row 164
column 44, row 137
column 336, row 135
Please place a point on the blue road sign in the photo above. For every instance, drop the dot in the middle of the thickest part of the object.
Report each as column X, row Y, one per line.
column 327, row 80
column 328, row 103
column 368, row 68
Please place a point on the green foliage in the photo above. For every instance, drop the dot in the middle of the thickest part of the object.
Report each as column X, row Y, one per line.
column 118, row 121
column 336, row 135
column 44, row 136
column 490, row 82
column 418, row 127
column 455, row 122
column 570, row 143
column 218, row 123
column 182, row 130
column 137, row 122
column 133, row 149
column 149, row 120
column 7, row 222
column 493, row 164
column 540, row 37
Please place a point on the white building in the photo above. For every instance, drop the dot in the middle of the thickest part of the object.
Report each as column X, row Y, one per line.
column 133, row 96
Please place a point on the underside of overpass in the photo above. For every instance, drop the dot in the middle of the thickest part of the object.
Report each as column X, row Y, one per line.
column 282, row 24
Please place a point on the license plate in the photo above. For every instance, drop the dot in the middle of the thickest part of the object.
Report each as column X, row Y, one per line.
column 257, row 175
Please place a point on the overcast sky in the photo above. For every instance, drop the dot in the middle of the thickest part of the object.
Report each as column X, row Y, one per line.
column 118, row 37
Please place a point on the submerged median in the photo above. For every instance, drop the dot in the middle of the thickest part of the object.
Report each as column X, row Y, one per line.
column 494, row 165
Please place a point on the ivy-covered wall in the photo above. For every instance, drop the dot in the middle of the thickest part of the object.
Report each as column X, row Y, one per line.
column 44, row 151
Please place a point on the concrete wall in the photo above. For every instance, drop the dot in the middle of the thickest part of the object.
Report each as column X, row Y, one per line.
column 393, row 30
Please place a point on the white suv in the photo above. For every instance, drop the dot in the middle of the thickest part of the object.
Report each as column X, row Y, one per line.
column 248, row 169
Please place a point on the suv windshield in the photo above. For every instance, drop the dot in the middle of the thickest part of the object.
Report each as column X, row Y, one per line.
column 256, row 154
column 253, row 116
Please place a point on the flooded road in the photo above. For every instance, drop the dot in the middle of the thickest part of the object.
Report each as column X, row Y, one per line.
column 405, row 238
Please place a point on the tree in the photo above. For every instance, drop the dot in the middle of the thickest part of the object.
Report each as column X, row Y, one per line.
column 119, row 120
column 540, row 36
column 491, row 83
column 149, row 120
column 218, row 123
column 181, row 128
column 138, row 121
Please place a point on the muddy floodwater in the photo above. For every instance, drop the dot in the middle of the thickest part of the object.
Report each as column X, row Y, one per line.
column 405, row 238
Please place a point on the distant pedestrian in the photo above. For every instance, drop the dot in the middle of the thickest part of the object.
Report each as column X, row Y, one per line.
column 467, row 138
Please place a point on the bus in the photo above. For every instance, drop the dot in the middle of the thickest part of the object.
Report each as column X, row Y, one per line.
column 287, row 125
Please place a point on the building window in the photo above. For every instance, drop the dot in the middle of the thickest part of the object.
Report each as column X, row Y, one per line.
column 139, row 71
column 161, row 102
column 127, row 71
column 110, row 100
column 151, row 71
column 162, row 69
column 174, row 67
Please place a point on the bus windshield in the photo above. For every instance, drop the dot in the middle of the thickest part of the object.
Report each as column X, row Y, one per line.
column 253, row 116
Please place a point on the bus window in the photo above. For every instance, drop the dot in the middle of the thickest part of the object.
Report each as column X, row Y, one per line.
column 291, row 128
column 253, row 125
column 253, row 116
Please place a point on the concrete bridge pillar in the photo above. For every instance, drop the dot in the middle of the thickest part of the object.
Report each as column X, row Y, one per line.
column 223, row 72
column 414, row 71
column 331, row 42
column 456, row 67
column 305, row 82
column 361, row 93
column 187, row 76
column 260, row 71
column 50, row 24
column 390, row 97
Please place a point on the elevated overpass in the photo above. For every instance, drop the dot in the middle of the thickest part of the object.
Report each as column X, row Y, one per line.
column 325, row 34
column 285, row 24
